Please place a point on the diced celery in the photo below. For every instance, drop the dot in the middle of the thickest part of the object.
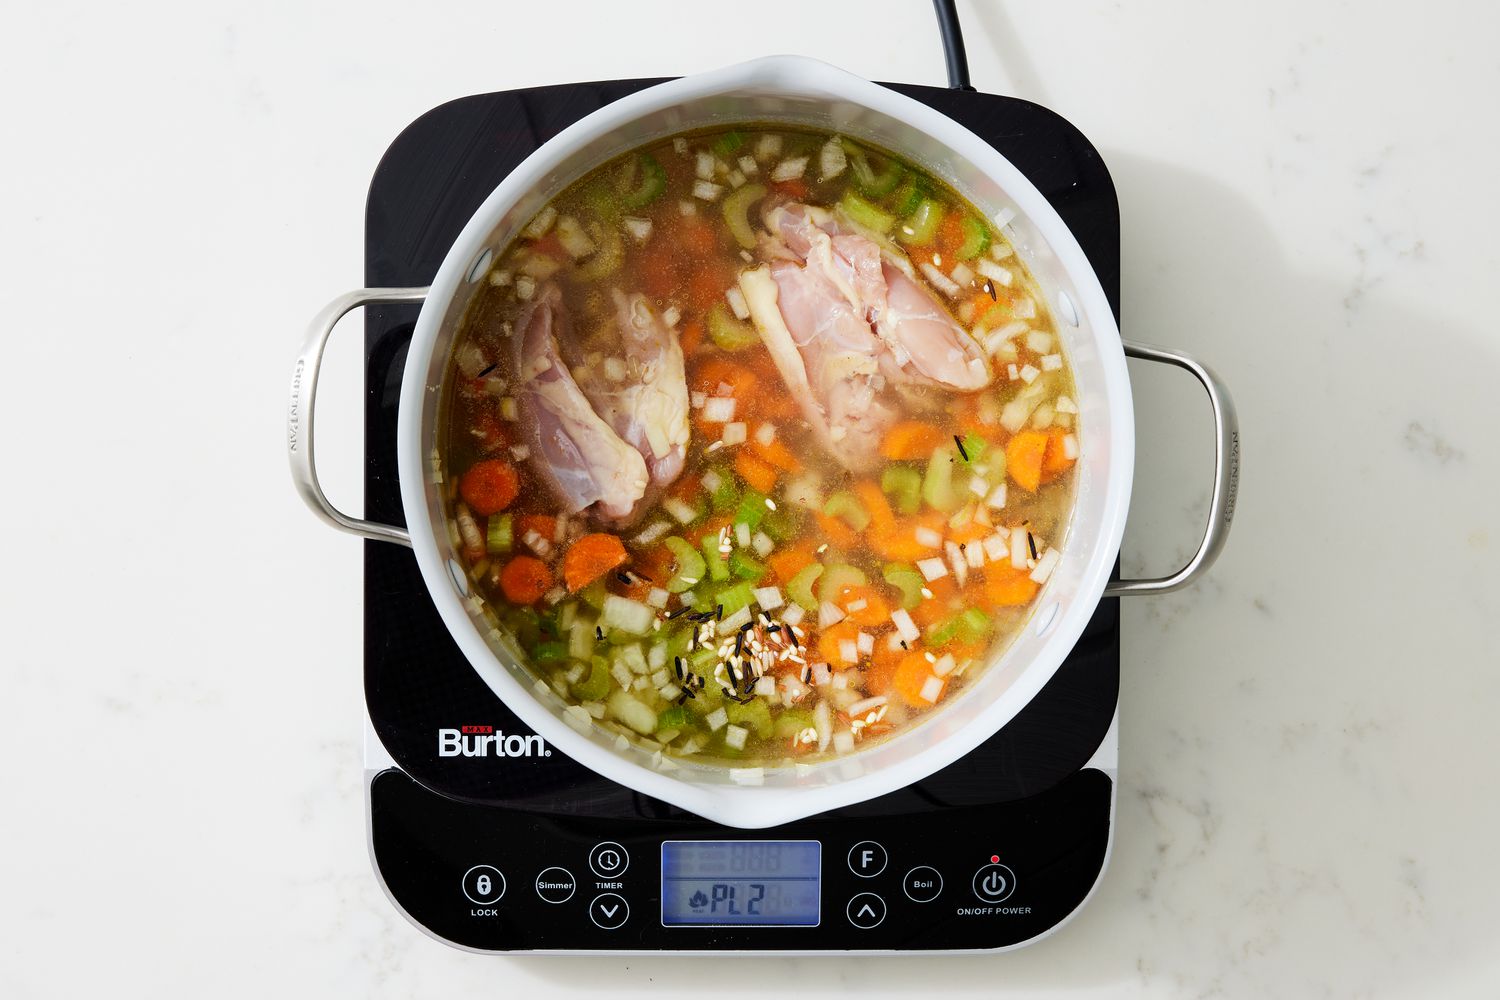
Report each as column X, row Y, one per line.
column 641, row 181
column 976, row 238
column 594, row 594
column 596, row 685
column 752, row 509
column 524, row 624
column 782, row 524
column 800, row 586
column 791, row 722
column 754, row 714
column 876, row 176
column 675, row 717
column 729, row 143
column 846, row 506
column 908, row 197
column 736, row 209
column 550, row 652
column 727, row 495
column 735, row 597
column 498, row 534
column 904, row 486
column 921, row 226
column 973, row 450
column 839, row 576
column 865, row 214
column 907, row 580
column 727, row 332
column 690, row 565
column 937, row 485
column 745, row 566
column 713, row 559
column 973, row 624
column 943, row 632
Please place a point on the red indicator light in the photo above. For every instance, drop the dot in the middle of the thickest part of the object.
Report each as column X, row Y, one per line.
column 994, row 859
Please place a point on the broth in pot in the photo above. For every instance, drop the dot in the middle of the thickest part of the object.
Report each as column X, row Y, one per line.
column 760, row 443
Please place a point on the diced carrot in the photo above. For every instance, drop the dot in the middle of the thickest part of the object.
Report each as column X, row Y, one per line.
column 898, row 540
column 1056, row 461
column 937, row 607
column 1023, row 459
column 695, row 236
column 591, row 557
column 649, row 569
column 911, row 677
column 550, row 245
column 911, row 439
column 882, row 667
column 882, row 518
column 971, row 532
column 657, row 274
column 691, row 337
column 759, row 474
column 795, row 189
column 776, row 453
column 830, row 644
column 835, row 532
column 715, row 371
column 705, row 286
column 788, row 562
column 489, row 486
column 524, row 580
column 950, row 234
column 1005, row 586
column 543, row 524
column 875, row 611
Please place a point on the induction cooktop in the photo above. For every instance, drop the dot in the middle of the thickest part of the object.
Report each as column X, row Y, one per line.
column 523, row 850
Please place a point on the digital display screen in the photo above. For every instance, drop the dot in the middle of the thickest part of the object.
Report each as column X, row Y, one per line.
column 715, row 883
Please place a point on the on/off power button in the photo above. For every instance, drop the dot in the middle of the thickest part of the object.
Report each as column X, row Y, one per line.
column 994, row 883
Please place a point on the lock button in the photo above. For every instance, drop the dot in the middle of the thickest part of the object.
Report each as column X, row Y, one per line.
column 483, row 885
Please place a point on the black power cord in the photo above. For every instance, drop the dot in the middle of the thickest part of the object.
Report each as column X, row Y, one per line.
column 953, row 45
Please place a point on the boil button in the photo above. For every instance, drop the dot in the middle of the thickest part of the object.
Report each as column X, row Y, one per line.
column 923, row 884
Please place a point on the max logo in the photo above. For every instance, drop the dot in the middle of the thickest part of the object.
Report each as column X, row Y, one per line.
column 486, row 741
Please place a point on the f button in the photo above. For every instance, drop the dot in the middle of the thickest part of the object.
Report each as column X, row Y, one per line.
column 867, row 859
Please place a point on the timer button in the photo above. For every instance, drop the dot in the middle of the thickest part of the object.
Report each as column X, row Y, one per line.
column 867, row 859
column 483, row 884
column 994, row 883
column 866, row 910
column 609, row 911
column 609, row 860
column 923, row 884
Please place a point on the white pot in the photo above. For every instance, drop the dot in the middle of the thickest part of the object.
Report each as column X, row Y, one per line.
column 803, row 91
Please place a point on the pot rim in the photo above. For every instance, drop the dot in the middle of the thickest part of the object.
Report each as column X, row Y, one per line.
column 751, row 806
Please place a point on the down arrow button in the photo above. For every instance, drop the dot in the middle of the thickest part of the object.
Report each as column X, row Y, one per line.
column 609, row 911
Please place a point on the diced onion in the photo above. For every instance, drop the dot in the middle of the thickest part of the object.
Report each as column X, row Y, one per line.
column 540, row 223
column 707, row 190
column 1070, row 446
column 939, row 280
column 762, row 544
column 683, row 511
column 712, row 481
column 905, row 627
column 735, row 736
column 823, row 723
column 973, row 554
column 848, row 651
column 638, row 228
column 1020, row 551
column 932, row 690
column 717, row 719
column 718, row 409
column 866, row 705
column 843, row 741
column 671, row 315
column 1045, row 565
column 927, row 537
column 1004, row 216
column 657, row 598
column 1051, row 362
column 944, row 665
column 765, row 686
column 997, row 273
column 829, row 614
column 734, row 433
column 789, row 169
column 996, row 547
column 1029, row 373
column 747, row 775
column 574, row 240
column 736, row 300
column 865, row 642
column 831, row 159
column 1065, row 404
column 653, row 533
column 957, row 561
column 793, row 615
column 765, row 433
column 1039, row 341
column 704, row 166
column 769, row 598
column 932, row 569
column 962, row 274
column 748, row 164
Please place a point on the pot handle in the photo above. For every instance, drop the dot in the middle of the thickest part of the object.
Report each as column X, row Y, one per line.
column 1226, row 475
column 299, row 417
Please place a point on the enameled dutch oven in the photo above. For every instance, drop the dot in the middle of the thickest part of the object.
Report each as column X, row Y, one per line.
column 809, row 93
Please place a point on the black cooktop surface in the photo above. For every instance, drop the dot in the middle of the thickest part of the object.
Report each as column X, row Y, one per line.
column 540, row 853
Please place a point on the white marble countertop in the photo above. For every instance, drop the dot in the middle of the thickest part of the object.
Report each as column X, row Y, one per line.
column 1309, row 741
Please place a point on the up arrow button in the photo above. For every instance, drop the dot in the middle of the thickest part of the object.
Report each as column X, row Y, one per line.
column 866, row 910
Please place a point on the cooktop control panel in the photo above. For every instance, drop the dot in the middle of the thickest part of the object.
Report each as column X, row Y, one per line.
column 944, row 878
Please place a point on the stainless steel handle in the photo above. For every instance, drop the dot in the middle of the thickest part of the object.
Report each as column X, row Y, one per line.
column 1226, row 475
column 299, row 417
